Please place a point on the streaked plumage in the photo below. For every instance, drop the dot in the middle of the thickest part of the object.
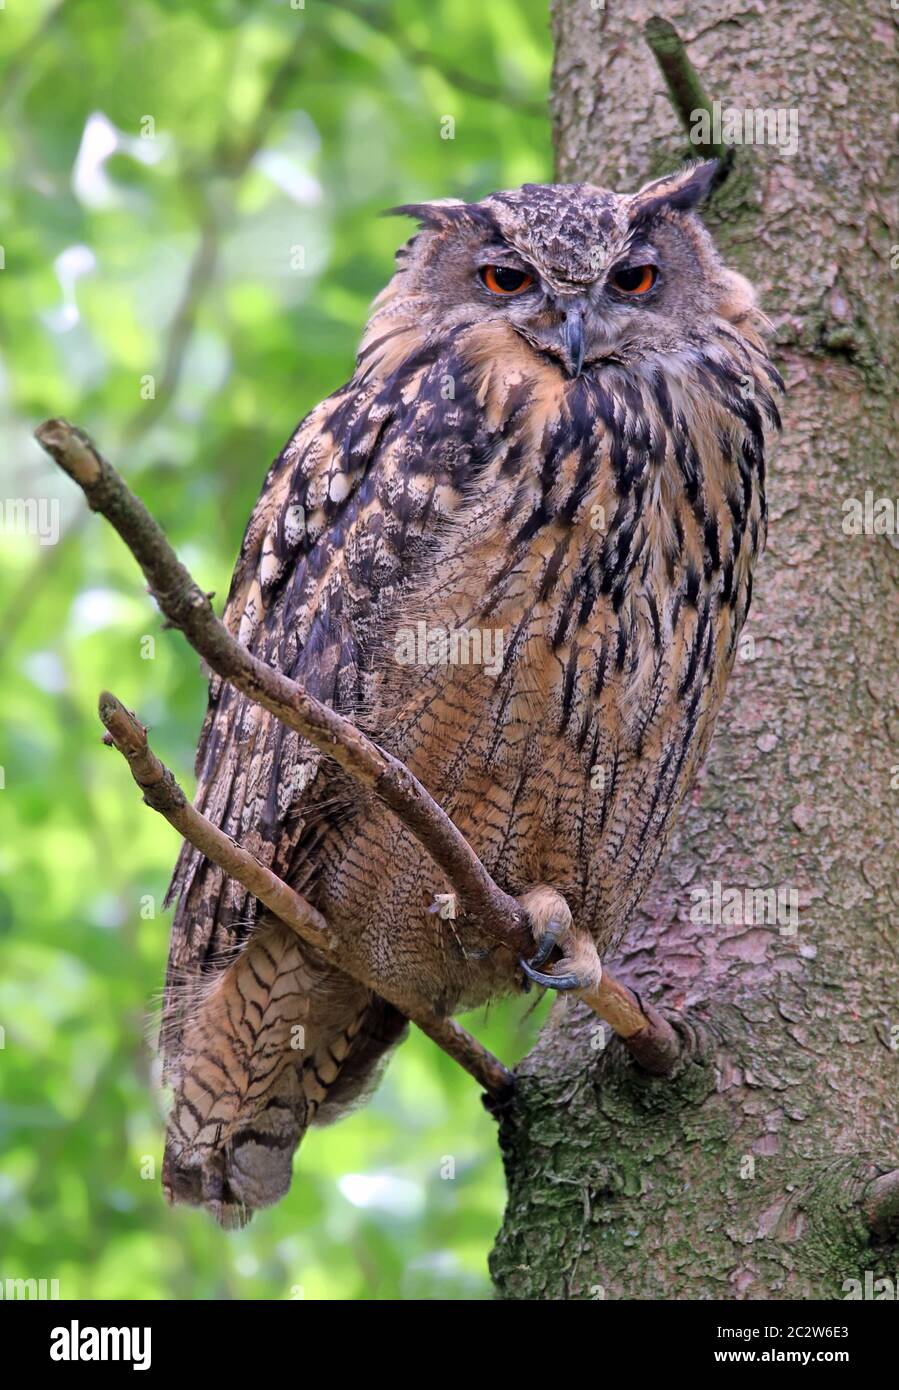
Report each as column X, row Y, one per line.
column 606, row 524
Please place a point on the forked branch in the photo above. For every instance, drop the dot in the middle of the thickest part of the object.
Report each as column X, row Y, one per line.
column 500, row 917
column 162, row 792
column 187, row 607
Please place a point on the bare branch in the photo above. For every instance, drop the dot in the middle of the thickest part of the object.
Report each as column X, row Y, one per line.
column 651, row 1039
column 161, row 791
column 163, row 794
column 187, row 607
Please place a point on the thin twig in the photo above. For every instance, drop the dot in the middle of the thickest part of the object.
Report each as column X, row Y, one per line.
column 163, row 794
column 650, row 1038
column 685, row 87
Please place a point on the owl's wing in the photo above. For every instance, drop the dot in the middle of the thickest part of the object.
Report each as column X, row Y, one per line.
column 290, row 604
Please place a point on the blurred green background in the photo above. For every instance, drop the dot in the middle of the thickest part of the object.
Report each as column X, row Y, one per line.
column 190, row 240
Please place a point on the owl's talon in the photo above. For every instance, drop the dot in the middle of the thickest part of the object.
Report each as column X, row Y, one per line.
column 552, row 936
column 560, row 982
column 577, row 966
column 553, row 933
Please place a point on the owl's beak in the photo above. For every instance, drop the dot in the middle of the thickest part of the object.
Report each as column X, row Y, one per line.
column 573, row 339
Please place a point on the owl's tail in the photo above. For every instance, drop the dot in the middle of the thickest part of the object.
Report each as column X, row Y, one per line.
column 276, row 1042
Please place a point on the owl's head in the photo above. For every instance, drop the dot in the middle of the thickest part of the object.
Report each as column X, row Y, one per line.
column 586, row 276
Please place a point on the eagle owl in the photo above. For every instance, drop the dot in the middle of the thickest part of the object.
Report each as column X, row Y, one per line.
column 517, row 550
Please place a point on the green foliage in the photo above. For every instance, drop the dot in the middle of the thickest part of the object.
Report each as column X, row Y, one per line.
column 191, row 193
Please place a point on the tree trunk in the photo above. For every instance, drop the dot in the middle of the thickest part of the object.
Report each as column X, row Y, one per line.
column 748, row 1176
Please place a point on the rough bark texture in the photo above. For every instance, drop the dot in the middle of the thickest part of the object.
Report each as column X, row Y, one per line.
column 744, row 1178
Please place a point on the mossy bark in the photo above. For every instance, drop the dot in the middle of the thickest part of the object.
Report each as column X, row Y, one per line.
column 745, row 1176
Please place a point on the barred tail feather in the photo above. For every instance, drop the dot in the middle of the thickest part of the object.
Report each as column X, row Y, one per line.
column 271, row 1043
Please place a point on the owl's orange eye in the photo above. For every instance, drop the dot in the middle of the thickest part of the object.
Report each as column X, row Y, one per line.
column 635, row 279
column 502, row 279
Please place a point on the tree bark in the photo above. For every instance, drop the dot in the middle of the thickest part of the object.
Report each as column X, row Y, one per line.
column 751, row 1175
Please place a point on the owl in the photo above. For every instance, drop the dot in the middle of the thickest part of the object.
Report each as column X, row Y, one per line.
column 517, row 550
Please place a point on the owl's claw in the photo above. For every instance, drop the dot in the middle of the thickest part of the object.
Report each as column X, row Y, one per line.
column 561, row 982
column 553, row 934
column 578, row 966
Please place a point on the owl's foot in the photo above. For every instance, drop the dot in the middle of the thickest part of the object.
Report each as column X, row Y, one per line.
column 577, row 967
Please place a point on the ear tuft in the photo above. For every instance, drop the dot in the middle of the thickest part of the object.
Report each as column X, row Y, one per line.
column 682, row 190
column 438, row 213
